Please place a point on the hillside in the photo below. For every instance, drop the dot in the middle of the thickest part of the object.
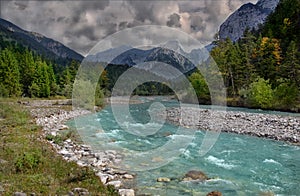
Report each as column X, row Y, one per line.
column 46, row 47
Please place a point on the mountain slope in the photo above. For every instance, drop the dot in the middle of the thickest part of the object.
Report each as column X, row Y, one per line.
column 134, row 57
column 247, row 16
column 42, row 45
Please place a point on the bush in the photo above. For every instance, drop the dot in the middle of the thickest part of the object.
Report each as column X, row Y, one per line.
column 260, row 94
column 199, row 86
column 286, row 94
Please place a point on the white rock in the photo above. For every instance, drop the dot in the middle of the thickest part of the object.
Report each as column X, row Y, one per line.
column 63, row 152
column 128, row 176
column 126, row 192
column 116, row 184
column 63, row 127
column 105, row 177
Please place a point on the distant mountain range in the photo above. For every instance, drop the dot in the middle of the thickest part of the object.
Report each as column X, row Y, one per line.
column 170, row 53
column 42, row 45
column 247, row 16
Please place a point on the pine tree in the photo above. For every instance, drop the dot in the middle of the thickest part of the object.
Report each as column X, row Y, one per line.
column 54, row 88
column 45, row 81
column 9, row 73
column 27, row 68
column 291, row 64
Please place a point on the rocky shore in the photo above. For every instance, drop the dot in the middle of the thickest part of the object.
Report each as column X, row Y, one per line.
column 276, row 127
column 52, row 115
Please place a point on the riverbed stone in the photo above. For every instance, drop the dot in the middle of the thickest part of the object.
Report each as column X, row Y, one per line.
column 128, row 176
column 214, row 193
column 126, row 192
column 195, row 175
column 116, row 184
column 163, row 179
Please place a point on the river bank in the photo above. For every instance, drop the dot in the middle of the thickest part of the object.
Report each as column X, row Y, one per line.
column 276, row 127
column 52, row 115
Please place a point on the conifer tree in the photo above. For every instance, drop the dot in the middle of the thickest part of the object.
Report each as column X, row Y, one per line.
column 9, row 73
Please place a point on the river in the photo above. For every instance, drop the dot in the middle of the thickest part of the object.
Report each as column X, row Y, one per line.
column 236, row 164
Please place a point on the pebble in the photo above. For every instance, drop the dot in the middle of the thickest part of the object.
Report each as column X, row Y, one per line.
column 276, row 127
column 163, row 179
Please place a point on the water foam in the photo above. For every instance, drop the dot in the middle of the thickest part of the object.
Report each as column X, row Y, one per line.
column 219, row 162
column 271, row 161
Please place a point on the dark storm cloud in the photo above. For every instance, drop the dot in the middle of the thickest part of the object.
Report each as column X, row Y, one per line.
column 81, row 24
column 174, row 20
column 21, row 5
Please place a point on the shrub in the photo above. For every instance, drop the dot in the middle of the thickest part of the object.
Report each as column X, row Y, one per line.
column 260, row 94
column 286, row 94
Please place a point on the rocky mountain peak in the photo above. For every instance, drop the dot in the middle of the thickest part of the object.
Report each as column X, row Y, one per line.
column 247, row 16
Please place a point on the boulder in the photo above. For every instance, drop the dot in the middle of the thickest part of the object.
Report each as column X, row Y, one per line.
column 195, row 175
column 126, row 192
column 128, row 176
column 214, row 193
column 116, row 184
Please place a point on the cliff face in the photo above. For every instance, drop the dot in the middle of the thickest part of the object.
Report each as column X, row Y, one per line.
column 247, row 16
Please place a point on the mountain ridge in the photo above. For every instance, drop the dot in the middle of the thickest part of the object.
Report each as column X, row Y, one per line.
column 248, row 16
column 41, row 44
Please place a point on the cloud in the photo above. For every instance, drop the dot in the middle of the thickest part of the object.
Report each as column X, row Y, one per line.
column 82, row 24
column 174, row 20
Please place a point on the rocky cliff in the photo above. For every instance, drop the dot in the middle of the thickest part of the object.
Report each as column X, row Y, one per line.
column 247, row 16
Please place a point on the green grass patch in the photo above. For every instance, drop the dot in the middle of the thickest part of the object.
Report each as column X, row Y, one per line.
column 28, row 164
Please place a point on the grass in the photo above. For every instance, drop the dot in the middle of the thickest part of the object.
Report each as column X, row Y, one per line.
column 29, row 164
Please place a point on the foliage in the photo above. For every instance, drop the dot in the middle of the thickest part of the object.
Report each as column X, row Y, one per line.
column 260, row 94
column 9, row 73
column 27, row 161
column 200, row 87
column 265, row 62
column 25, row 73
column 286, row 94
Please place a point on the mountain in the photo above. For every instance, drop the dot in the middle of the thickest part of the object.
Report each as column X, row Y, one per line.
column 135, row 56
column 247, row 16
column 169, row 53
column 42, row 45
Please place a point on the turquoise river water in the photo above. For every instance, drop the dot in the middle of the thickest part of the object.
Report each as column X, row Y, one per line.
column 237, row 164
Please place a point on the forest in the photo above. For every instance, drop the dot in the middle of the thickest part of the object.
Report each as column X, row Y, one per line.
column 261, row 69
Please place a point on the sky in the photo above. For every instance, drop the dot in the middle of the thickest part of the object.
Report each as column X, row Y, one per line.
column 80, row 25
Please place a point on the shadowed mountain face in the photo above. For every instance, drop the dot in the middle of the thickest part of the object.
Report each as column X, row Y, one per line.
column 247, row 16
column 171, row 53
column 134, row 57
column 42, row 45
